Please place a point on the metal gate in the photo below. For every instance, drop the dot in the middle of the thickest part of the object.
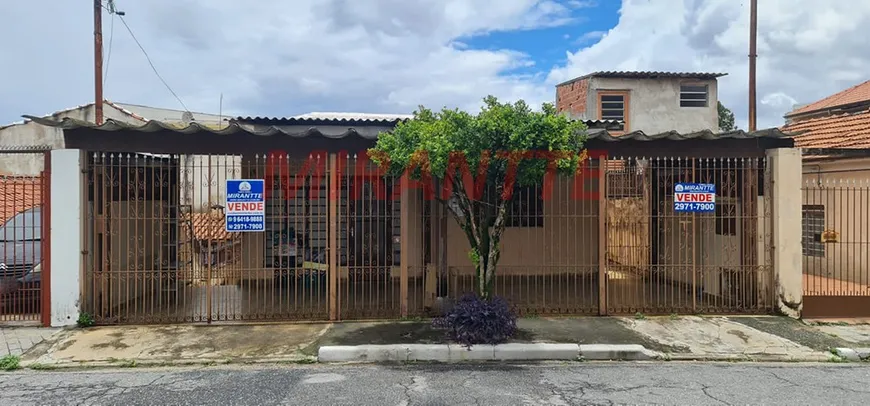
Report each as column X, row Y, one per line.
column 661, row 261
column 836, row 245
column 24, row 235
column 158, row 251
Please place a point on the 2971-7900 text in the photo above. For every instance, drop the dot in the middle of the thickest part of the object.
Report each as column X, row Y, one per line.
column 694, row 206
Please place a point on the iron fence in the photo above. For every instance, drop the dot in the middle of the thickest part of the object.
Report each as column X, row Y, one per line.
column 343, row 240
column 24, row 228
column 836, row 244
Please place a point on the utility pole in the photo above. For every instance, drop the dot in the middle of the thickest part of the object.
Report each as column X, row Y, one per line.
column 753, row 30
column 98, row 62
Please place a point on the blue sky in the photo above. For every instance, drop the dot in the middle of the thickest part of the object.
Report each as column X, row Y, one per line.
column 283, row 58
column 547, row 46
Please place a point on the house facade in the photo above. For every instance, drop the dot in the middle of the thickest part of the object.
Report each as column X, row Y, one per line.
column 834, row 135
column 653, row 102
column 342, row 241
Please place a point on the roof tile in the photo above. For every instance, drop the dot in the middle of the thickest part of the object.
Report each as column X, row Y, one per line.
column 17, row 194
column 839, row 131
column 855, row 94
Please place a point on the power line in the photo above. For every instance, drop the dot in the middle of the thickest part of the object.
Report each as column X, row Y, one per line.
column 109, row 56
column 151, row 63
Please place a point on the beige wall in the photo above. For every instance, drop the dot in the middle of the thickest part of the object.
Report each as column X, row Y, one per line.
column 135, row 254
column 843, row 188
column 654, row 104
column 568, row 239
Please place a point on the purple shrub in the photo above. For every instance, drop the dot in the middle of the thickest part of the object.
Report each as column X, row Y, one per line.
column 473, row 320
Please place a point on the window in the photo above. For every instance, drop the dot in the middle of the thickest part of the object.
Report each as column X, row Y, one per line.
column 813, row 220
column 693, row 95
column 613, row 107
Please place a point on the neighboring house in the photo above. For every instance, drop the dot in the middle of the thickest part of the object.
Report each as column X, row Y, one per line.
column 652, row 102
column 27, row 134
column 834, row 134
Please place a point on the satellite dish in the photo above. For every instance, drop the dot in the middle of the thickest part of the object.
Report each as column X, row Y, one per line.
column 187, row 117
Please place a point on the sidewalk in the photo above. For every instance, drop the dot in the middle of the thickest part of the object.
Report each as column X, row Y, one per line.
column 669, row 338
column 18, row 340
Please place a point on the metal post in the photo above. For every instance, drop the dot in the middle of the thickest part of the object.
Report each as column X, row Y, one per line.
column 753, row 29
column 98, row 62
column 602, row 235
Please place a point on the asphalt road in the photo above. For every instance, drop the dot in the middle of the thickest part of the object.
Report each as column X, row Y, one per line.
column 552, row 384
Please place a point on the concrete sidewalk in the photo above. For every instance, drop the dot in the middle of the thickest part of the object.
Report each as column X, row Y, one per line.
column 668, row 338
column 18, row 340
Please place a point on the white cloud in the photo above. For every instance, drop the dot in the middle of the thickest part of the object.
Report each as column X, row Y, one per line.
column 271, row 57
column 806, row 49
column 288, row 57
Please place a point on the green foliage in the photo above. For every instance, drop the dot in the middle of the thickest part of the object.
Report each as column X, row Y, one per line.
column 10, row 362
column 429, row 140
column 726, row 118
column 503, row 146
column 85, row 320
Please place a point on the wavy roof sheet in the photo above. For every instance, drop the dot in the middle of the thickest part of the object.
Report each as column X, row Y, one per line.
column 647, row 75
column 235, row 128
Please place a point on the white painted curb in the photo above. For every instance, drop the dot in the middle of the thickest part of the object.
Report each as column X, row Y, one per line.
column 854, row 354
column 501, row 352
column 617, row 352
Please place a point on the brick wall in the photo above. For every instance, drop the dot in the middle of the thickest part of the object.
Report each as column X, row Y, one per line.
column 571, row 97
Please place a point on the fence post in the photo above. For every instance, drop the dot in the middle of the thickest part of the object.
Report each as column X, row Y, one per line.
column 65, row 234
column 786, row 173
column 404, row 230
column 602, row 235
column 333, row 196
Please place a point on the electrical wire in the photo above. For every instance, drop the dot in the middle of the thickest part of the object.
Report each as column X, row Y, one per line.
column 152, row 63
column 109, row 56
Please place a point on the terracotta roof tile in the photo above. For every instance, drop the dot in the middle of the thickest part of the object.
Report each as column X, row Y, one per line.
column 210, row 226
column 854, row 94
column 17, row 194
column 840, row 131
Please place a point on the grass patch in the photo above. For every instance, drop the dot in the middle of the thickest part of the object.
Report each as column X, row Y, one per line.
column 10, row 362
column 85, row 320
column 42, row 367
column 639, row 316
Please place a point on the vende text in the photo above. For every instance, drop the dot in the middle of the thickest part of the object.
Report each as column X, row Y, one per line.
column 695, row 197
column 246, row 207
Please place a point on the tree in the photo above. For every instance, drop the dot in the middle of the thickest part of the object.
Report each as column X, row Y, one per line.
column 726, row 118
column 509, row 144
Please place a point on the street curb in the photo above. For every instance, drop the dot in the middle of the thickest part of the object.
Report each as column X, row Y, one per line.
column 500, row 352
column 853, row 354
column 132, row 363
column 821, row 357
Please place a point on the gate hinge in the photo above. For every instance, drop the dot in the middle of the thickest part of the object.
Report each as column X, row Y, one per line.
column 85, row 252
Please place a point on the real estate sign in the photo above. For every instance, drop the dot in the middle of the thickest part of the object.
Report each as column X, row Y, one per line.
column 245, row 205
column 694, row 197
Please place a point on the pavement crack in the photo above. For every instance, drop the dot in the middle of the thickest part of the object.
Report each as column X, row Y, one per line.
column 705, row 389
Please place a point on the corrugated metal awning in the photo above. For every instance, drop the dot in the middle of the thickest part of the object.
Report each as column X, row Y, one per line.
column 338, row 132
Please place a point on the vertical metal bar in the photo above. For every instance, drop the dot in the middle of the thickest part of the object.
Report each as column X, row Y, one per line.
column 404, row 229
column 333, row 248
column 694, row 242
column 602, row 236
column 45, row 240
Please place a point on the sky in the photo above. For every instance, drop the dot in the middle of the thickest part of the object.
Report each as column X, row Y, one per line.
column 283, row 58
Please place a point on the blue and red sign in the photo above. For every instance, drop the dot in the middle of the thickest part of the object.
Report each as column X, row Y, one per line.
column 245, row 205
column 694, row 197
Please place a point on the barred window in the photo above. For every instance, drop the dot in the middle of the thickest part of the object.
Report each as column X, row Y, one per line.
column 693, row 95
column 813, row 220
